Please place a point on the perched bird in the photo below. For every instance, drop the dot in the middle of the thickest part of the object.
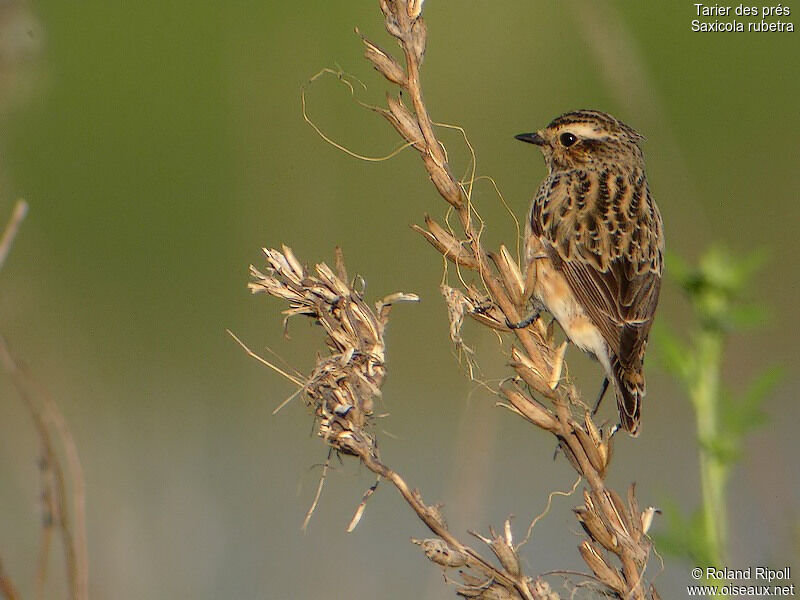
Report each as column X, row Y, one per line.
column 594, row 247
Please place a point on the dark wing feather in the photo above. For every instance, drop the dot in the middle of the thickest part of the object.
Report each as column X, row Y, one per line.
column 603, row 231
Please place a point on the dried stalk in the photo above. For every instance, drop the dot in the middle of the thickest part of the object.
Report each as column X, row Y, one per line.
column 7, row 589
column 341, row 389
column 613, row 526
column 341, row 392
column 50, row 426
column 20, row 210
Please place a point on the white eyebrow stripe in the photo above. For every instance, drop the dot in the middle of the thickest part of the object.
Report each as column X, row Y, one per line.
column 583, row 130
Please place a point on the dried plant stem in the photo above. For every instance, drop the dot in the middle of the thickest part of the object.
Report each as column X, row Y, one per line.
column 7, row 589
column 20, row 211
column 430, row 516
column 433, row 521
column 50, row 509
column 50, row 425
column 343, row 386
column 341, row 391
column 607, row 520
column 317, row 495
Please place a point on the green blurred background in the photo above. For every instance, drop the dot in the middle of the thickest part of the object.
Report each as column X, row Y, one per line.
column 160, row 145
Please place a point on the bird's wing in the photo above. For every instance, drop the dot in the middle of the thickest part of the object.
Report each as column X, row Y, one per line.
column 603, row 231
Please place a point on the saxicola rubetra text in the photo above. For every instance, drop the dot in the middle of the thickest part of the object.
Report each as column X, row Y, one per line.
column 594, row 241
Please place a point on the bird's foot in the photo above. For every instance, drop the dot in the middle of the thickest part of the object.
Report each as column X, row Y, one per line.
column 531, row 318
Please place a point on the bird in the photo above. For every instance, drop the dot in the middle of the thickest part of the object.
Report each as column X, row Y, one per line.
column 594, row 247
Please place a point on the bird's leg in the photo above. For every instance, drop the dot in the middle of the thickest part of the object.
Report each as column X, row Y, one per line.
column 525, row 322
column 603, row 388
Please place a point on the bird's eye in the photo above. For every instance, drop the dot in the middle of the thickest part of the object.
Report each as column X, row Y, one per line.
column 567, row 139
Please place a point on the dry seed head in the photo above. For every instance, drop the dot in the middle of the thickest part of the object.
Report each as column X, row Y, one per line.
column 591, row 429
column 633, row 511
column 604, row 572
column 530, row 408
column 621, row 516
column 440, row 553
column 407, row 124
column 447, row 187
column 512, row 276
column 558, row 365
column 504, row 552
column 293, row 263
column 342, row 387
column 595, row 528
column 590, row 448
column 522, row 362
column 452, row 248
column 419, row 37
column 384, row 62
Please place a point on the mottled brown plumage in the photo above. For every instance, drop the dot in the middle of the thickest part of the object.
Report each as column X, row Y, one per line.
column 595, row 244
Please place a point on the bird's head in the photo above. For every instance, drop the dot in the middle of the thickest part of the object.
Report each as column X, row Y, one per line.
column 584, row 137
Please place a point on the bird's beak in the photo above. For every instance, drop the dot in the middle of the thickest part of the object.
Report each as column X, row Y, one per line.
column 531, row 138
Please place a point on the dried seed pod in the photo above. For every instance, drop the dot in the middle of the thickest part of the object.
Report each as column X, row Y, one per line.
column 604, row 572
column 633, row 510
column 447, row 186
column 623, row 518
column 530, row 372
column 589, row 447
column 295, row 265
column 384, row 63
column 446, row 238
column 512, row 277
column 558, row 365
column 591, row 429
column 506, row 554
column 535, row 412
column 418, row 38
column 407, row 124
column 595, row 528
column 439, row 552
column 392, row 23
column 455, row 253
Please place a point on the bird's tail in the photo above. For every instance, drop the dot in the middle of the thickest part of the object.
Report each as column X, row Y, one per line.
column 629, row 385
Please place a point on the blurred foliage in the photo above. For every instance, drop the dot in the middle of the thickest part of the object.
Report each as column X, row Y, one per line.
column 717, row 289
